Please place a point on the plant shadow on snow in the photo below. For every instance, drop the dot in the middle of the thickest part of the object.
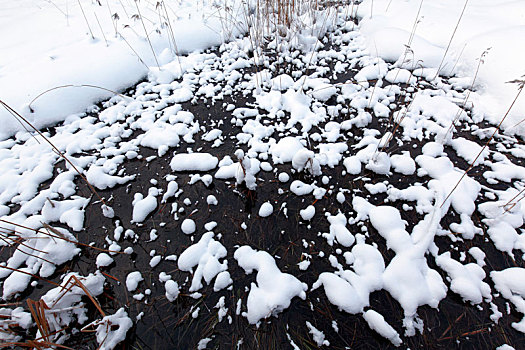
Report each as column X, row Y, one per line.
column 184, row 322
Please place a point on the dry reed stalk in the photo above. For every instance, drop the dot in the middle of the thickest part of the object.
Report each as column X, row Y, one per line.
column 172, row 35
column 101, row 30
column 113, row 19
column 124, row 8
column 85, row 18
column 132, row 49
column 451, row 38
column 74, row 281
column 147, row 36
column 410, row 39
column 38, row 311
column 35, row 344
column 508, row 207
column 18, row 239
column 29, row 274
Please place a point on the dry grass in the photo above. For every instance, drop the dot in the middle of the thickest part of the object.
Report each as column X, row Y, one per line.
column 41, row 313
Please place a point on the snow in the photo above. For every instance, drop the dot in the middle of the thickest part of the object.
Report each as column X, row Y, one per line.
column 337, row 291
column 409, row 267
column 206, row 179
column 65, row 302
column 511, row 284
column 104, row 260
column 400, row 75
column 403, row 163
column 282, row 82
column 112, row 329
column 318, row 336
column 377, row 322
column 144, row 206
column 222, row 309
column 99, row 178
column 505, row 347
column 304, row 159
column 300, row 188
column 212, row 200
column 467, row 280
column 222, row 281
column 203, row 343
column 17, row 316
column 41, row 254
column 379, row 164
column 69, row 212
column 479, row 255
column 132, row 280
column 193, row 162
column 273, row 291
column 469, row 150
column 368, row 268
column 155, row 261
column 338, row 231
column 266, row 209
column 352, row 165
column 379, row 160
column 16, row 282
column 188, row 226
column 491, row 26
column 50, row 45
column 285, row 149
column 212, row 135
column 284, row 177
column 503, row 222
column 308, row 213
column 246, row 170
column 204, row 254
column 172, row 290
column 323, row 91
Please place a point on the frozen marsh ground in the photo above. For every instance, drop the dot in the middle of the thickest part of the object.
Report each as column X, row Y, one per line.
column 285, row 191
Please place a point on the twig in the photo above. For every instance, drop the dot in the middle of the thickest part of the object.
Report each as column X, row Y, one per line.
column 62, row 238
column 452, row 37
column 89, row 27
column 147, row 36
column 72, row 85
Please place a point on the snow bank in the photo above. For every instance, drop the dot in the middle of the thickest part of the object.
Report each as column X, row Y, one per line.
column 50, row 45
column 498, row 25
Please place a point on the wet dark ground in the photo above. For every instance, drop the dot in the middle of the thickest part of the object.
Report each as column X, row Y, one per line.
column 170, row 325
column 166, row 325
